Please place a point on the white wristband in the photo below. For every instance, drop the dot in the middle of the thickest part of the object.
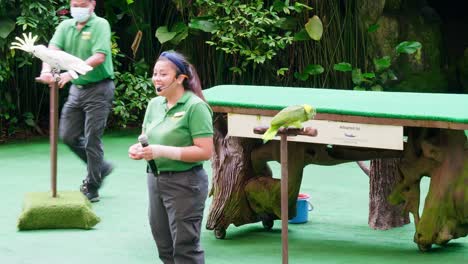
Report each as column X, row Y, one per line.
column 173, row 153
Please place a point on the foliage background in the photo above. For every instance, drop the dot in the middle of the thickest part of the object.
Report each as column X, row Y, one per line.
column 24, row 103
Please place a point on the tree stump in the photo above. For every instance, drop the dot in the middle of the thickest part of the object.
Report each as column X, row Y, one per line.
column 231, row 170
column 384, row 175
column 441, row 154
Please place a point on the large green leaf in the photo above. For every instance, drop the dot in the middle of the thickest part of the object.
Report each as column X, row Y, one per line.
column 368, row 75
column 6, row 27
column 164, row 35
column 179, row 37
column 314, row 28
column 382, row 63
column 343, row 66
column 301, row 76
column 178, row 33
column 314, row 69
column 202, row 24
column 301, row 35
column 182, row 33
column 408, row 47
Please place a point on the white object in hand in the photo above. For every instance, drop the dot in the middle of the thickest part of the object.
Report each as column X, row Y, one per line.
column 57, row 59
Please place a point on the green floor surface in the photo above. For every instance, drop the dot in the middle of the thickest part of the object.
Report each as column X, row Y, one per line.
column 337, row 230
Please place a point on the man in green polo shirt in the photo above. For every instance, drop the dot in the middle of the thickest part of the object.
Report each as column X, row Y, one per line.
column 85, row 112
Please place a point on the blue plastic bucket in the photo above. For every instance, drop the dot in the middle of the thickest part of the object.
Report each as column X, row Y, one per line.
column 302, row 209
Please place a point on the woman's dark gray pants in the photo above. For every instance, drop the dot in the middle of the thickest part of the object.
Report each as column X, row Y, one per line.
column 176, row 203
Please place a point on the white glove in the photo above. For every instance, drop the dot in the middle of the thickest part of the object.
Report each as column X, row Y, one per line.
column 173, row 153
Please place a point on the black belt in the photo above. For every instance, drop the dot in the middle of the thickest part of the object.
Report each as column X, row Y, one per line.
column 170, row 173
column 86, row 86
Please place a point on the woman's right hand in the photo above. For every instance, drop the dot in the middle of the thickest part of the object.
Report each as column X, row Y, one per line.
column 135, row 151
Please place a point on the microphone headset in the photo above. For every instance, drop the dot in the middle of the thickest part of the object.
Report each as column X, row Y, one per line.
column 160, row 88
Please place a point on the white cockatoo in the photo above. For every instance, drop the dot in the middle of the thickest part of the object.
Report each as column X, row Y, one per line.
column 57, row 59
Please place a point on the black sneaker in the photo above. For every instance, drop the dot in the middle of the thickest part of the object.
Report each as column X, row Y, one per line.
column 90, row 192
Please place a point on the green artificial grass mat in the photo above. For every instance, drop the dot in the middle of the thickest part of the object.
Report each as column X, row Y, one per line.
column 399, row 105
column 70, row 209
column 337, row 231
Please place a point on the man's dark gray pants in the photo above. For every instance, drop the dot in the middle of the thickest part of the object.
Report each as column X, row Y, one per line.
column 82, row 123
column 176, row 203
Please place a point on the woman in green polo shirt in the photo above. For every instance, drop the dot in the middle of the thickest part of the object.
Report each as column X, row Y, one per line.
column 179, row 128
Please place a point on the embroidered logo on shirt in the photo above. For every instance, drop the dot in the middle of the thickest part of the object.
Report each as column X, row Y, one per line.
column 85, row 35
column 179, row 114
column 176, row 117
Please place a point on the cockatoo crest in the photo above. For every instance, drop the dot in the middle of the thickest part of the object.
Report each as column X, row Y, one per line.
column 57, row 59
column 27, row 44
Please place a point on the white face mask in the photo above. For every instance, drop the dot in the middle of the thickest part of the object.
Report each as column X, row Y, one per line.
column 80, row 14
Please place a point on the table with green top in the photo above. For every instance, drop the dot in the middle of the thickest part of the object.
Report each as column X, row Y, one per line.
column 425, row 131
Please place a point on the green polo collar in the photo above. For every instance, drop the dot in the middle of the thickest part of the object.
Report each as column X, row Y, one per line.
column 89, row 22
column 182, row 100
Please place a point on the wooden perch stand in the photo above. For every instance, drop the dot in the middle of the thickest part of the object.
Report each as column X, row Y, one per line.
column 53, row 130
column 289, row 131
column 284, row 133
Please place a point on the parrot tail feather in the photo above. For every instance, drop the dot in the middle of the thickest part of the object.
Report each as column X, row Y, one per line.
column 81, row 68
column 269, row 134
column 73, row 74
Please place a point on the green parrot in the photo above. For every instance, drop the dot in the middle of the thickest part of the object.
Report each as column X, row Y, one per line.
column 291, row 116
